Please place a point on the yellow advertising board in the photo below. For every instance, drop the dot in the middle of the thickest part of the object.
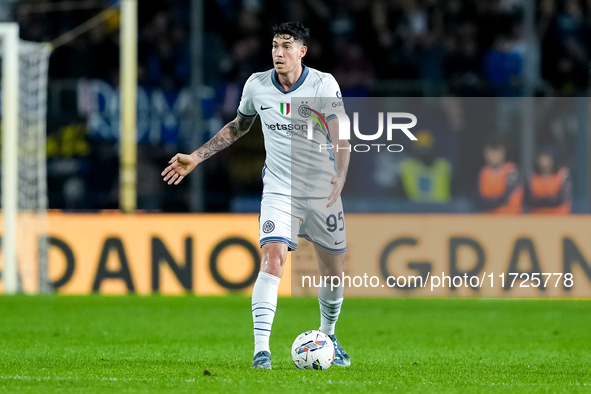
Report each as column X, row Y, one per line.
column 459, row 256
column 154, row 253
column 388, row 255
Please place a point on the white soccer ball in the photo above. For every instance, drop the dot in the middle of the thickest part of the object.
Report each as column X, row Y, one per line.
column 312, row 350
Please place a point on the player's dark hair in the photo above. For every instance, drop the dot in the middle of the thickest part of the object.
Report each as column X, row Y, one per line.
column 296, row 30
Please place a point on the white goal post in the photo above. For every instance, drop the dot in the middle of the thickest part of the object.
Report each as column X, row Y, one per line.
column 24, row 179
column 9, row 34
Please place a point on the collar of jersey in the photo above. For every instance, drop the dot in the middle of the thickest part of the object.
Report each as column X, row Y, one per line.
column 296, row 85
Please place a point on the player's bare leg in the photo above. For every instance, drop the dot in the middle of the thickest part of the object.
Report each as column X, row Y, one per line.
column 330, row 300
column 264, row 300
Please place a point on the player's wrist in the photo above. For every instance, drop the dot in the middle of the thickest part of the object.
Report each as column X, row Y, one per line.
column 196, row 157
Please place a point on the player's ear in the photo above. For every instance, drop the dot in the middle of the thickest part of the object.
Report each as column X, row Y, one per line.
column 303, row 51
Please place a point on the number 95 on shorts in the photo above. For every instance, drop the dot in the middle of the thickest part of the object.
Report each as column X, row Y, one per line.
column 285, row 218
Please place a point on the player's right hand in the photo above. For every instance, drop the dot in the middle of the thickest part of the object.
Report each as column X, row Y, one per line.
column 180, row 166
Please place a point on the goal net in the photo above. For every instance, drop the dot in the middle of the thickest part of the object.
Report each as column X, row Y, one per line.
column 29, row 270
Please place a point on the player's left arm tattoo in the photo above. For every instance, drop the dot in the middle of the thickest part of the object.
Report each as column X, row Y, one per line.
column 229, row 134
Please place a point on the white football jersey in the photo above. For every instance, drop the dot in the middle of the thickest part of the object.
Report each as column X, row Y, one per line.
column 295, row 165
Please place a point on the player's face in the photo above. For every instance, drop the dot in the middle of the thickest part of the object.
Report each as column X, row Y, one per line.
column 287, row 53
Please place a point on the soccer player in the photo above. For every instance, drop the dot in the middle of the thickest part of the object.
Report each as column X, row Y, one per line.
column 304, row 202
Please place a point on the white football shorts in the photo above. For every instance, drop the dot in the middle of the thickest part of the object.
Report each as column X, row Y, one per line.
column 285, row 218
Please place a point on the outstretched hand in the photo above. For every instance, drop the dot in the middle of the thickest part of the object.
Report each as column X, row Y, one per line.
column 180, row 166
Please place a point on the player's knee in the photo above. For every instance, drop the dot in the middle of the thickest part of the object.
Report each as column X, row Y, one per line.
column 332, row 271
column 274, row 261
column 274, row 256
column 331, row 265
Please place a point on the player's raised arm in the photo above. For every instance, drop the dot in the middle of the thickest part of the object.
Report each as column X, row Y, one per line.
column 182, row 164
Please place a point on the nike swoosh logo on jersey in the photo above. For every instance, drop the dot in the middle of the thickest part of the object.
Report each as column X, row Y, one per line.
column 264, row 314
column 262, row 108
column 338, row 243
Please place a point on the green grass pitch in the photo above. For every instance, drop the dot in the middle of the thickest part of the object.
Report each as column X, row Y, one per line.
column 165, row 344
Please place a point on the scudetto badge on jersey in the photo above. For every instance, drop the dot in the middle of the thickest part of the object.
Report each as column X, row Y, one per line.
column 284, row 108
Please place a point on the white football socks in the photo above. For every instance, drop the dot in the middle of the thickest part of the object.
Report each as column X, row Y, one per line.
column 264, row 304
column 330, row 307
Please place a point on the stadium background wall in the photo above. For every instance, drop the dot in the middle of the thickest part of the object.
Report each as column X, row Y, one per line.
column 217, row 254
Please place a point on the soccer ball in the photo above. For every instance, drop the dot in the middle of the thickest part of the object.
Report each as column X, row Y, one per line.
column 312, row 350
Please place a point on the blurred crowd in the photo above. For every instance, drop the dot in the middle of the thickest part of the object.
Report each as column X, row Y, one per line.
column 372, row 47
